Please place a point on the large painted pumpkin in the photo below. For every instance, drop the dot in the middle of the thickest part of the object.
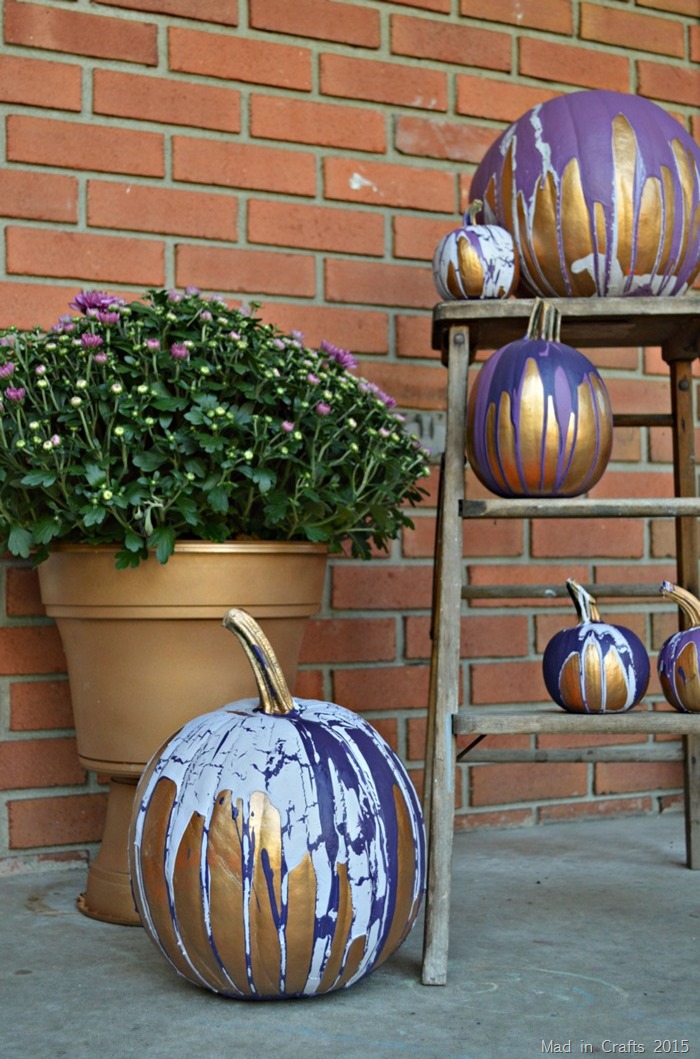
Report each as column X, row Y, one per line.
column 277, row 846
column 601, row 192
column 475, row 261
column 594, row 667
column 539, row 421
column 677, row 663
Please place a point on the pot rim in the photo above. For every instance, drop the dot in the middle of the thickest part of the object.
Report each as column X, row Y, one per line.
column 192, row 547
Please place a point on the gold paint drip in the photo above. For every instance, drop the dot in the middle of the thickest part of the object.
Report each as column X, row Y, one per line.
column 265, row 833
column 471, row 269
column 688, row 663
column 625, row 150
column 225, row 862
column 575, row 236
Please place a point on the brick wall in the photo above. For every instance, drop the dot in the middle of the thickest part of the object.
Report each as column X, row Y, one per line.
column 311, row 154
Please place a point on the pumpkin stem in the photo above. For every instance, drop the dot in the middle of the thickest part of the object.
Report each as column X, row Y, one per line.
column 586, row 606
column 275, row 696
column 544, row 322
column 688, row 603
column 473, row 209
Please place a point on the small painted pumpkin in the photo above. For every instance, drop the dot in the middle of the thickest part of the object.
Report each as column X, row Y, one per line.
column 277, row 846
column 595, row 667
column 677, row 663
column 475, row 261
column 539, row 420
column 601, row 192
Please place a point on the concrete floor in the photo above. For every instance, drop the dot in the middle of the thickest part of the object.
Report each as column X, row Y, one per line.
column 585, row 933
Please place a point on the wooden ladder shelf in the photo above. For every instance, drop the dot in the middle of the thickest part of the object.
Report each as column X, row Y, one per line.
column 459, row 329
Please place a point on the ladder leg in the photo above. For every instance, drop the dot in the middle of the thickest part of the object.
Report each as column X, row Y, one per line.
column 687, row 556
column 440, row 755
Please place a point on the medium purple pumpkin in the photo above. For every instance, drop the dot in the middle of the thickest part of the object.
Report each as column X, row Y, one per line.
column 601, row 192
column 677, row 664
column 476, row 261
column 277, row 845
column 539, row 420
column 594, row 667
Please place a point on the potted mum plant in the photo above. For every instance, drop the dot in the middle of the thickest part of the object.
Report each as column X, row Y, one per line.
column 161, row 461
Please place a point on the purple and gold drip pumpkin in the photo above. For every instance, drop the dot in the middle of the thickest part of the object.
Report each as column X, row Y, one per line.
column 475, row 261
column 601, row 193
column 677, row 663
column 277, row 846
column 539, row 420
column 594, row 667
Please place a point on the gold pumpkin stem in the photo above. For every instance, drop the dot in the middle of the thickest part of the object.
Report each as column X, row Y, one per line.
column 586, row 606
column 472, row 210
column 544, row 322
column 689, row 604
column 275, row 697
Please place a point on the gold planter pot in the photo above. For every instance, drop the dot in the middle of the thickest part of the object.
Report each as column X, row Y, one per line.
column 146, row 651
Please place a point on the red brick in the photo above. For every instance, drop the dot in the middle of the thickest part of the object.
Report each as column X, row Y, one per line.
column 663, row 539
column 164, row 100
column 483, row 538
column 448, row 140
column 325, row 124
column 528, row 573
column 616, row 777
column 22, row 595
column 680, row 7
column 571, row 741
column 382, row 687
column 349, row 640
column 504, row 819
column 418, row 237
column 443, row 7
column 583, row 67
column 449, row 43
column 527, row 782
column 31, row 649
column 98, row 36
column 599, row 807
column 26, row 763
column 674, row 84
column 140, row 208
column 630, row 30
column 555, row 15
column 388, row 729
column 631, row 483
column 73, row 145
column 315, row 227
column 38, row 196
column 349, row 24
column 34, row 82
column 40, row 704
column 56, row 821
column 411, row 385
column 239, row 165
column 28, row 304
column 93, row 258
column 382, row 82
column 627, row 445
column 374, row 283
column 639, row 573
column 559, row 538
column 223, row 12
column 388, row 184
column 257, row 62
column 695, row 43
column 362, row 331
column 639, row 395
column 507, row 682
column 413, row 335
column 245, row 271
column 396, row 587
column 480, row 637
column 309, row 684
column 492, row 97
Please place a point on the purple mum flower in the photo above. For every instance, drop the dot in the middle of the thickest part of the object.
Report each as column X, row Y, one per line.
column 107, row 318
column 323, row 409
column 100, row 358
column 93, row 299
column 15, row 393
column 341, row 356
column 178, row 351
column 287, row 426
column 153, row 344
column 90, row 341
column 6, row 370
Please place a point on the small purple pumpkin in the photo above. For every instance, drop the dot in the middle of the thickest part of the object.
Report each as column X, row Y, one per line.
column 539, row 420
column 594, row 667
column 601, row 192
column 276, row 845
column 677, row 664
column 475, row 261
